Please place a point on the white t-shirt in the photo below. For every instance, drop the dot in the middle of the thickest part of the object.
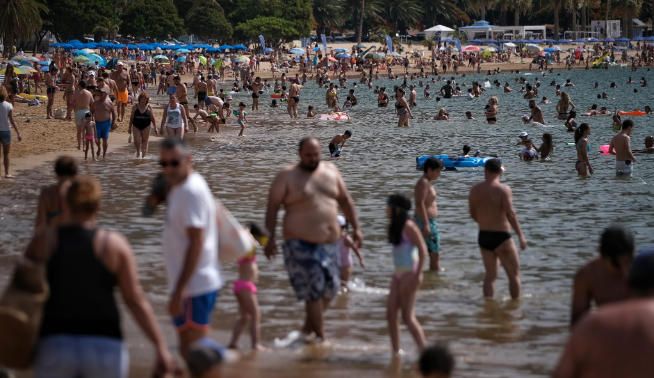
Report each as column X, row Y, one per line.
column 5, row 108
column 191, row 204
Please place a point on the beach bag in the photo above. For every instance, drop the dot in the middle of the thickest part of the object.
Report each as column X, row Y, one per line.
column 21, row 309
column 60, row 113
column 234, row 240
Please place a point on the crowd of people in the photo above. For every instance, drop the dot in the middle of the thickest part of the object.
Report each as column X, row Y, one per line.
column 81, row 334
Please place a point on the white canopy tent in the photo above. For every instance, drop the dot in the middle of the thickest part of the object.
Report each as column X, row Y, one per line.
column 440, row 30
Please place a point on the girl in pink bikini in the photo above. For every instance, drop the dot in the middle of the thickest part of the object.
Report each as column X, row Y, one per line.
column 245, row 291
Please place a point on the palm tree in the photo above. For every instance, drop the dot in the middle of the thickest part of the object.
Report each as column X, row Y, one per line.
column 627, row 10
column 20, row 19
column 520, row 7
column 479, row 7
column 361, row 17
column 446, row 10
column 402, row 14
column 328, row 14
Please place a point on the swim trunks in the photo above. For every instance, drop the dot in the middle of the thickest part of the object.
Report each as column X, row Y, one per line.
column 51, row 90
column 171, row 91
column 79, row 116
column 197, row 311
column 312, row 269
column 102, row 129
column 434, row 240
column 334, row 150
column 623, row 168
column 123, row 97
column 5, row 137
column 490, row 240
column 202, row 96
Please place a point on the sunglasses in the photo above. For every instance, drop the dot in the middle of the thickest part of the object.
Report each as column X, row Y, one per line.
column 166, row 163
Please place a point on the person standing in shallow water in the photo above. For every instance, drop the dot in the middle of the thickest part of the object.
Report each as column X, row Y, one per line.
column 427, row 210
column 604, row 279
column 311, row 193
column 491, row 206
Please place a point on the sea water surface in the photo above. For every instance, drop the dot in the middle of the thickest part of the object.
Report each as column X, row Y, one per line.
column 561, row 216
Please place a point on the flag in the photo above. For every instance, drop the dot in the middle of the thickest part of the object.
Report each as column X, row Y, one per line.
column 262, row 42
column 389, row 43
column 324, row 43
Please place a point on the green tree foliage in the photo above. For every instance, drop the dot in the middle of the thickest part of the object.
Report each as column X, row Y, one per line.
column 152, row 18
column 74, row 18
column 183, row 7
column 20, row 19
column 328, row 14
column 275, row 29
column 206, row 19
column 297, row 12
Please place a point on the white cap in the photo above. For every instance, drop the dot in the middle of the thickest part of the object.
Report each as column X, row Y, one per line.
column 341, row 220
column 523, row 134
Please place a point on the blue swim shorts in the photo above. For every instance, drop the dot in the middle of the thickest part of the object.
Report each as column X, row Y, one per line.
column 312, row 269
column 5, row 137
column 102, row 129
column 434, row 240
column 197, row 311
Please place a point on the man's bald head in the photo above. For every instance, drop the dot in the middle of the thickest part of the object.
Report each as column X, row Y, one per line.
column 309, row 151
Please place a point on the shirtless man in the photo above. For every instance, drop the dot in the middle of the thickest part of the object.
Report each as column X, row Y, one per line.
column 257, row 86
column 105, row 119
column 331, row 97
column 122, row 79
column 68, row 81
column 182, row 97
column 491, row 207
column 311, row 193
column 621, row 147
column 293, row 99
column 427, row 210
column 82, row 100
column 413, row 95
column 536, row 113
column 617, row 340
column 201, row 89
column 604, row 279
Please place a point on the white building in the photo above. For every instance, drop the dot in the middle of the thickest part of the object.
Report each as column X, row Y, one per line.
column 484, row 30
column 613, row 29
column 439, row 31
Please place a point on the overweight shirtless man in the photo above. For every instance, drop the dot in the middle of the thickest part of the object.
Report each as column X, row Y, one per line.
column 122, row 79
column 427, row 210
column 293, row 99
column 617, row 340
column 621, row 147
column 492, row 208
column 311, row 193
column 82, row 100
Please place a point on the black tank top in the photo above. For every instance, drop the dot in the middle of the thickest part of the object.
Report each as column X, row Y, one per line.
column 81, row 300
column 142, row 120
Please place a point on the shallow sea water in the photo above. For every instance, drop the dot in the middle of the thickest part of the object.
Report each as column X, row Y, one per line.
column 561, row 215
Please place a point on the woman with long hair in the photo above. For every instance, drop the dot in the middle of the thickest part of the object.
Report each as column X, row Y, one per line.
column 581, row 142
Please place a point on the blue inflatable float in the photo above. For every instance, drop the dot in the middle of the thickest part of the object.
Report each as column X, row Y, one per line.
column 453, row 162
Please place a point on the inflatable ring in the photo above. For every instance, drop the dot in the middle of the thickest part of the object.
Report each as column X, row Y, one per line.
column 276, row 95
column 604, row 149
column 635, row 113
column 453, row 162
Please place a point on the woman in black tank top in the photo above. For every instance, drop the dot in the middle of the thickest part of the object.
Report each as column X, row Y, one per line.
column 80, row 333
column 141, row 119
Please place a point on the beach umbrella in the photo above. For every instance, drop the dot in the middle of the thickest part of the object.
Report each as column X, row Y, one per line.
column 268, row 50
column 343, row 56
column 241, row 59
column 181, row 59
column 183, row 51
column 202, row 60
column 532, row 47
column 394, row 54
column 316, row 48
column 489, row 49
column 239, row 47
column 339, row 50
column 22, row 70
column 81, row 59
column 160, row 57
column 552, row 49
column 375, row 56
column 471, row 48
column 360, row 46
column 296, row 51
column 510, row 44
column 25, row 58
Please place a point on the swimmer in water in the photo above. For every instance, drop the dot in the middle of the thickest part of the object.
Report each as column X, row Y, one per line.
column 571, row 123
column 245, row 291
column 469, row 115
column 536, row 113
column 436, row 361
column 582, row 165
column 337, row 143
column 310, row 112
column 649, row 145
column 528, row 152
column 491, row 110
column 442, row 115
column 545, row 149
column 409, row 252
column 545, row 101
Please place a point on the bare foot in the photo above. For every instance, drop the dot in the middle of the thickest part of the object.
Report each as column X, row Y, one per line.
column 259, row 348
column 9, row 176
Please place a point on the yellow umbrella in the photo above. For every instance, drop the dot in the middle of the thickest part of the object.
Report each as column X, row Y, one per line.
column 202, row 60
column 22, row 70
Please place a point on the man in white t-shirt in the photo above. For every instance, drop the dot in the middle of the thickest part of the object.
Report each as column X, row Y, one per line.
column 190, row 245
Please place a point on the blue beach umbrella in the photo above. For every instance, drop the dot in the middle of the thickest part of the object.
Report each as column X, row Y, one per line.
column 343, row 56
column 297, row 51
column 181, row 59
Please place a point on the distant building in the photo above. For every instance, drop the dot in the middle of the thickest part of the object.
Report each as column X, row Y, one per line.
column 610, row 29
column 484, row 30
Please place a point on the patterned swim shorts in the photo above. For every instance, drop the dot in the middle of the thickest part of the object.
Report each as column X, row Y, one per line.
column 312, row 269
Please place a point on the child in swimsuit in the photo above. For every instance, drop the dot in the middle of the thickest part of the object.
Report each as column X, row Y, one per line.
column 89, row 135
column 409, row 253
column 241, row 118
column 344, row 257
column 245, row 290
